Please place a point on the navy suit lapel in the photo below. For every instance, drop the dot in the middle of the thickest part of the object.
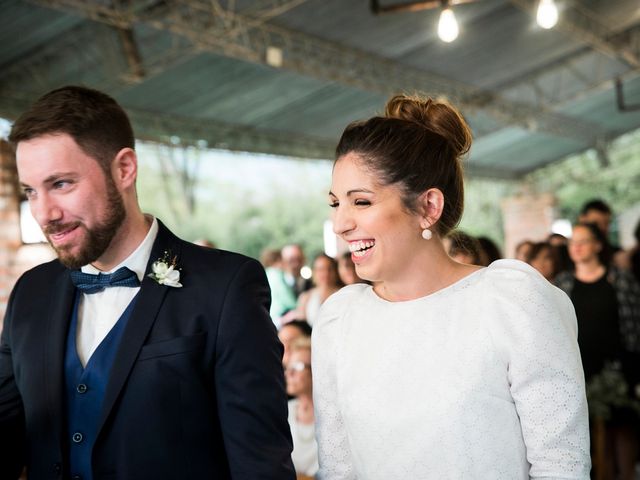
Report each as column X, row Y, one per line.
column 144, row 314
column 60, row 306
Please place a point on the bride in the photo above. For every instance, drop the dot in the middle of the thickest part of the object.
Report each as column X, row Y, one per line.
column 440, row 370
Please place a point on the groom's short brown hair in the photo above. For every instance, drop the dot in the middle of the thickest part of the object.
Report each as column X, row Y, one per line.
column 93, row 119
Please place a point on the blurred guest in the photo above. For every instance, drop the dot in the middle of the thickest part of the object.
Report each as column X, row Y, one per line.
column 560, row 245
column 542, row 258
column 557, row 239
column 291, row 332
column 292, row 262
column 522, row 250
column 203, row 242
column 347, row 270
column 596, row 211
column 301, row 416
column 327, row 282
column 634, row 254
column 271, row 258
column 489, row 251
column 463, row 248
column 630, row 259
column 607, row 304
column 283, row 299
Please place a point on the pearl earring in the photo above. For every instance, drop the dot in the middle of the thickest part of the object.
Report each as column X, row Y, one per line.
column 427, row 234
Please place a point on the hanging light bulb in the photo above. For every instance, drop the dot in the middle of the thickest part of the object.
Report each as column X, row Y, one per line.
column 448, row 26
column 547, row 15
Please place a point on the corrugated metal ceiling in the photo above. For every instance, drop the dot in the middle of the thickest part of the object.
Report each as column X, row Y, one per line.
column 532, row 96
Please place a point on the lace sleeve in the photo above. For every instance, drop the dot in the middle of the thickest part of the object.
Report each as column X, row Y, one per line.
column 334, row 454
column 537, row 331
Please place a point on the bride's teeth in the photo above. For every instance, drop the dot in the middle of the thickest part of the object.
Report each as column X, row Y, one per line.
column 359, row 247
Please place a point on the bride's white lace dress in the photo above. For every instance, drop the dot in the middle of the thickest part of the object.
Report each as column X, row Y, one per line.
column 481, row 380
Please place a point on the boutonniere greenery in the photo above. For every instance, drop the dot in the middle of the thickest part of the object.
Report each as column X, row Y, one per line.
column 165, row 271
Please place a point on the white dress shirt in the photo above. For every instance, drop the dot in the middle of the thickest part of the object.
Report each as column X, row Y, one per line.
column 99, row 312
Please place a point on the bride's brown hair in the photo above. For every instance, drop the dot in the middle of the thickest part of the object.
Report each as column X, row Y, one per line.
column 418, row 144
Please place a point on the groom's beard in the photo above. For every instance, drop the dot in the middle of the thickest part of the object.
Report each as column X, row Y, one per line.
column 97, row 239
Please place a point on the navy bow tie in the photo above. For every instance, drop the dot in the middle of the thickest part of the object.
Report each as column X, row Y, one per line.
column 89, row 283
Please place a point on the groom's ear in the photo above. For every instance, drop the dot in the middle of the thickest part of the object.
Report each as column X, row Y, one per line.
column 124, row 168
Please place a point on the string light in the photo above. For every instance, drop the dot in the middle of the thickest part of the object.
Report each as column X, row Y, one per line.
column 547, row 14
column 448, row 26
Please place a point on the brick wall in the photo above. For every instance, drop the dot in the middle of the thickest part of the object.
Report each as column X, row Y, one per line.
column 15, row 258
column 10, row 240
column 527, row 217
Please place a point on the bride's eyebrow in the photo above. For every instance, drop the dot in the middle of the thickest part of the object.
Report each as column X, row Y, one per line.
column 358, row 190
column 351, row 192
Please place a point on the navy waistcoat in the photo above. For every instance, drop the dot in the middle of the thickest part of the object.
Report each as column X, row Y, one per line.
column 85, row 388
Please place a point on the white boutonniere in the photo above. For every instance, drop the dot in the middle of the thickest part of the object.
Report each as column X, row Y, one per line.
column 166, row 271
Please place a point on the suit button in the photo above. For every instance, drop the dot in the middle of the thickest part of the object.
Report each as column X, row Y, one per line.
column 57, row 468
column 76, row 477
column 81, row 388
column 76, row 437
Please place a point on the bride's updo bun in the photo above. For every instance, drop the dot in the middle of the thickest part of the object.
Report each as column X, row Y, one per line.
column 417, row 145
column 439, row 117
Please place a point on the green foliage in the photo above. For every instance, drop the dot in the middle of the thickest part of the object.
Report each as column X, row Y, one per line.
column 236, row 217
column 582, row 177
column 574, row 181
column 249, row 225
column 482, row 214
column 258, row 209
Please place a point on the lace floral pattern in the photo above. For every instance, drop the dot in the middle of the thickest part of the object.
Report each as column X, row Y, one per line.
column 480, row 380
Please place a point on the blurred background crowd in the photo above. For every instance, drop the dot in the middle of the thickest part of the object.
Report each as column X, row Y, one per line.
column 601, row 279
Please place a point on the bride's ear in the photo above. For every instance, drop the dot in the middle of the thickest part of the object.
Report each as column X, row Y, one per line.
column 431, row 204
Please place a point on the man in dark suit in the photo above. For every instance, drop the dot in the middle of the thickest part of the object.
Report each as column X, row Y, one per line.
column 135, row 355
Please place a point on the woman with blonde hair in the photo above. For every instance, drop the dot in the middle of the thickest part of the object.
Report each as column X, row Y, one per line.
column 439, row 370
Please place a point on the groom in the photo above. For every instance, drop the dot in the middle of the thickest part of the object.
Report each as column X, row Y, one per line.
column 135, row 355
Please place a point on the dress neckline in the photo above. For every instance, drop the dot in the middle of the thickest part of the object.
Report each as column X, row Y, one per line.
column 443, row 291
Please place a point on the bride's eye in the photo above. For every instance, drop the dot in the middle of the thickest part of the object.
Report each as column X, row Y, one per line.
column 362, row 202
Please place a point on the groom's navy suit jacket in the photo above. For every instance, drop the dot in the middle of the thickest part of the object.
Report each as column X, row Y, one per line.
column 196, row 390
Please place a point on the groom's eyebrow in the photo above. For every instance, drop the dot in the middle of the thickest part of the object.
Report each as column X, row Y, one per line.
column 58, row 175
column 53, row 178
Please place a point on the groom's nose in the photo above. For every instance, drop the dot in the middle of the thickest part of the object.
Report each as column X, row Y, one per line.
column 45, row 210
